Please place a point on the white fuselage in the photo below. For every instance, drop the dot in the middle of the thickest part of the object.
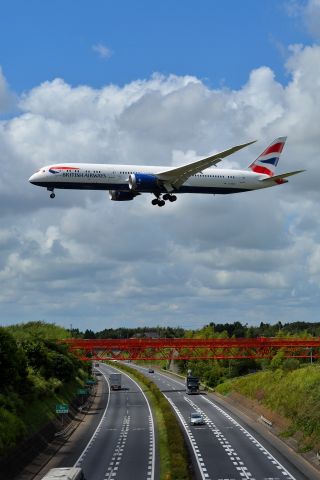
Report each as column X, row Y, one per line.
column 116, row 177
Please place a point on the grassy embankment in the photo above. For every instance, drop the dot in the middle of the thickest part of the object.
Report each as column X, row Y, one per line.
column 294, row 395
column 173, row 452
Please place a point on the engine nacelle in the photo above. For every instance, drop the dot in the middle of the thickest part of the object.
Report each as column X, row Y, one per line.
column 143, row 182
column 119, row 196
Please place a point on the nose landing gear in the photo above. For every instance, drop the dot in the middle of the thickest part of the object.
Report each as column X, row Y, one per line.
column 52, row 194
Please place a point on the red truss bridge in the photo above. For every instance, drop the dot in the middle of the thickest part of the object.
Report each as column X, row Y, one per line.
column 192, row 348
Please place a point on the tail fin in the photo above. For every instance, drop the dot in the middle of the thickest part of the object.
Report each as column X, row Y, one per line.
column 268, row 160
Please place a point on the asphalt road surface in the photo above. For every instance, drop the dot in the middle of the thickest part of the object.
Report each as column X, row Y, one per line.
column 225, row 448
column 120, row 443
column 123, row 445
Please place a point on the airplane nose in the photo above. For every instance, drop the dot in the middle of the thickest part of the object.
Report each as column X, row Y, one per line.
column 35, row 178
column 32, row 178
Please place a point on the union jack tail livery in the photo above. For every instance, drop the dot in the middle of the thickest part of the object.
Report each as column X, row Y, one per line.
column 268, row 160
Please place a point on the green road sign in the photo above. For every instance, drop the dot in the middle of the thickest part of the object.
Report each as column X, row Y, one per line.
column 62, row 408
column 90, row 382
column 82, row 391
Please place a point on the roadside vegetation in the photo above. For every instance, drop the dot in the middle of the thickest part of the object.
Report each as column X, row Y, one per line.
column 290, row 390
column 288, row 387
column 36, row 373
column 173, row 453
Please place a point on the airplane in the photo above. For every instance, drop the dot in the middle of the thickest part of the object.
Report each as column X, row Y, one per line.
column 125, row 182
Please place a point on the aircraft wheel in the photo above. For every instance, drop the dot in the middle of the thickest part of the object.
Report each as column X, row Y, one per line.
column 172, row 198
column 166, row 196
column 161, row 203
column 52, row 195
column 155, row 201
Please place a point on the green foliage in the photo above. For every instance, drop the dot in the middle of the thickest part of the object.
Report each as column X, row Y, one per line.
column 290, row 391
column 277, row 360
column 13, row 364
column 35, row 370
column 11, row 429
column 37, row 329
column 290, row 364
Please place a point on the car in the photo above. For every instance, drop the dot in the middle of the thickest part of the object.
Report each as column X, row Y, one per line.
column 196, row 419
column 150, row 370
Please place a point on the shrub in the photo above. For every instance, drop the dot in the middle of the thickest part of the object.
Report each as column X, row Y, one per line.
column 11, row 429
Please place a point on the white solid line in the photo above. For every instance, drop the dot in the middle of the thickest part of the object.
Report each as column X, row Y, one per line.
column 150, row 417
column 183, row 422
column 98, row 427
column 261, row 447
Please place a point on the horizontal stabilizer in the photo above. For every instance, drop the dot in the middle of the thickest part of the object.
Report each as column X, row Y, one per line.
column 281, row 178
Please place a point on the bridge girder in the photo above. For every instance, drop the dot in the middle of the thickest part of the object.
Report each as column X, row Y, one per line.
column 193, row 349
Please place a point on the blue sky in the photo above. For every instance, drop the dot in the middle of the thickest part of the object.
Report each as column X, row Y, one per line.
column 217, row 41
column 158, row 83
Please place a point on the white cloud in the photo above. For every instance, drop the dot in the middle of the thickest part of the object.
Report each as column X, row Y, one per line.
column 7, row 98
column 103, row 51
column 96, row 263
column 309, row 12
column 312, row 18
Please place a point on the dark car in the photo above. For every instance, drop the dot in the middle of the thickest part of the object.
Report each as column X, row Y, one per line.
column 150, row 370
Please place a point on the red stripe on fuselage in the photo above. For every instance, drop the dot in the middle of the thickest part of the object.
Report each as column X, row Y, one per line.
column 260, row 169
column 65, row 168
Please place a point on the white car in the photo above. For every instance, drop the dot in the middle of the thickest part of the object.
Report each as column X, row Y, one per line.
column 196, row 419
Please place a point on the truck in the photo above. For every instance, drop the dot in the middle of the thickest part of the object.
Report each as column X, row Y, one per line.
column 192, row 383
column 67, row 473
column 115, row 381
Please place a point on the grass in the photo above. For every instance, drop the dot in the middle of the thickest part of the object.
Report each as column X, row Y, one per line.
column 294, row 395
column 42, row 410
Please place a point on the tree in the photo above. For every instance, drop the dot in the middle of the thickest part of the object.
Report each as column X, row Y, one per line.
column 13, row 363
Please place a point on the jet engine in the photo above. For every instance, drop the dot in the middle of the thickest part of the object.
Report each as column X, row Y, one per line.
column 119, row 196
column 143, row 182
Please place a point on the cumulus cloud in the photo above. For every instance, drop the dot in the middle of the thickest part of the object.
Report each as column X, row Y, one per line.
column 84, row 260
column 7, row 98
column 312, row 18
column 309, row 12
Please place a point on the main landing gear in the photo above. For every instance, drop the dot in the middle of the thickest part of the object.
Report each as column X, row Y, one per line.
column 52, row 194
column 162, row 201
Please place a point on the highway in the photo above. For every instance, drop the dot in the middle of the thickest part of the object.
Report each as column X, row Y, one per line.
column 225, row 448
column 121, row 445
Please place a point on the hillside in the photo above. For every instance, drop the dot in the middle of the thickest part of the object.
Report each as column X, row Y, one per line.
column 293, row 394
column 35, row 374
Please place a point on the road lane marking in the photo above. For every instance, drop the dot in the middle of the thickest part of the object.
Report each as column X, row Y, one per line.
column 243, row 471
column 151, row 458
column 97, row 430
column 113, row 467
column 194, row 446
column 270, row 457
column 253, row 440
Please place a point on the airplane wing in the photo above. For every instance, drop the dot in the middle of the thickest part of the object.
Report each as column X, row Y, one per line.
column 175, row 177
column 281, row 178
